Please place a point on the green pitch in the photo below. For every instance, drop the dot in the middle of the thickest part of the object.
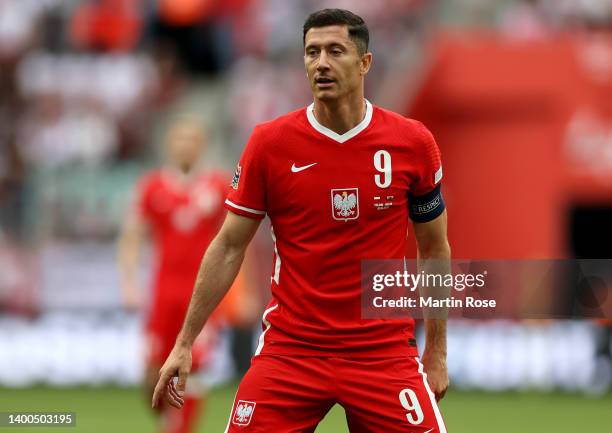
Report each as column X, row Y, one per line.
column 120, row 410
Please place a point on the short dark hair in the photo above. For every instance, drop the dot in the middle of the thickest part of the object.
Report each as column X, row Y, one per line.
column 357, row 28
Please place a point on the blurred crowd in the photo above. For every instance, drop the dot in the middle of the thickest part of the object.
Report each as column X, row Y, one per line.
column 84, row 83
column 531, row 18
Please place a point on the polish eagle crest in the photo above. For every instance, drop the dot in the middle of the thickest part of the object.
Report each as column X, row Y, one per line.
column 345, row 204
column 243, row 413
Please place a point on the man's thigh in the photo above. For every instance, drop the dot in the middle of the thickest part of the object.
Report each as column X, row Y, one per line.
column 387, row 396
column 282, row 395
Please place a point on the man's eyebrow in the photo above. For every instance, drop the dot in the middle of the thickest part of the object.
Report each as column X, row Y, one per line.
column 330, row 44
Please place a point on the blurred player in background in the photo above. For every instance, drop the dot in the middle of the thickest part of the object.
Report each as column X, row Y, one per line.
column 180, row 207
column 340, row 181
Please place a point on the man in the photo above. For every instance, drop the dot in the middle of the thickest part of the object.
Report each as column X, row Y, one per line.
column 181, row 208
column 319, row 173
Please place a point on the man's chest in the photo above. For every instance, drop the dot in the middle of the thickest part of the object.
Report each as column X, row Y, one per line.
column 183, row 208
column 357, row 181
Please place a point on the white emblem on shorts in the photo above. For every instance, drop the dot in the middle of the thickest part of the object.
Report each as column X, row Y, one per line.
column 345, row 204
column 244, row 412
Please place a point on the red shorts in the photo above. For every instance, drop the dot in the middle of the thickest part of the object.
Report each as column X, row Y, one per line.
column 283, row 394
column 163, row 325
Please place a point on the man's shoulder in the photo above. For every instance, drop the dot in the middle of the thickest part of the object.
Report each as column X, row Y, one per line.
column 210, row 174
column 280, row 126
column 214, row 178
column 399, row 122
column 152, row 178
column 147, row 185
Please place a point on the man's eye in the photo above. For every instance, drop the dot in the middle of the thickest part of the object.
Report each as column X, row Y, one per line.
column 311, row 53
column 336, row 52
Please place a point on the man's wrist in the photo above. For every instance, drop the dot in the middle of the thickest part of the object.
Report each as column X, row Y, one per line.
column 183, row 343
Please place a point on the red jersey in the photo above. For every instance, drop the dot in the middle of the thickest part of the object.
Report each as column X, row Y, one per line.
column 183, row 215
column 333, row 200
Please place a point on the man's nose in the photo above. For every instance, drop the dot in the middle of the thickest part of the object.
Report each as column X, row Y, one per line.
column 323, row 63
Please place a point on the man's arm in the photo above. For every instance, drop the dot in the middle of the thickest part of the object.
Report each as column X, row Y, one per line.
column 433, row 255
column 133, row 235
column 219, row 267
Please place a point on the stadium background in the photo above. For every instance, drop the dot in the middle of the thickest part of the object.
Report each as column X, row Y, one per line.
column 518, row 94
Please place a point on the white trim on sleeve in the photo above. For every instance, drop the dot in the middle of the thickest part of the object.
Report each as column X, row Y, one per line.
column 438, row 176
column 246, row 209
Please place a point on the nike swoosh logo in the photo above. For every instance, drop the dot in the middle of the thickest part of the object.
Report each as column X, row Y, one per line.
column 295, row 169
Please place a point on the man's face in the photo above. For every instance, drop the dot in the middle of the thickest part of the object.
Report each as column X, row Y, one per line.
column 333, row 63
column 186, row 143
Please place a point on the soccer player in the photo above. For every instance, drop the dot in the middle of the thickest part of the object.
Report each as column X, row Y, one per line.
column 180, row 207
column 339, row 180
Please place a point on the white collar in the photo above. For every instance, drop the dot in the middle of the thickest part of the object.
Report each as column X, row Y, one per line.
column 340, row 138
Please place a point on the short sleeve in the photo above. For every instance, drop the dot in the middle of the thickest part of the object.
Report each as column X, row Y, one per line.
column 429, row 167
column 425, row 195
column 247, row 196
column 142, row 199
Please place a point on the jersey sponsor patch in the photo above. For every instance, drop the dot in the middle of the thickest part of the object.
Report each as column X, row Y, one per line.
column 236, row 177
column 345, row 203
column 243, row 412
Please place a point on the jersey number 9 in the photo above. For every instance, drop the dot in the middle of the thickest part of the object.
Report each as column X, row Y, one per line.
column 382, row 163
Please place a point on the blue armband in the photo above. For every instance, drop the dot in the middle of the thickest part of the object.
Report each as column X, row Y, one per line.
column 426, row 207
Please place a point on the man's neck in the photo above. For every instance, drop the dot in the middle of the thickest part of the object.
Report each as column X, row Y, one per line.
column 182, row 175
column 340, row 116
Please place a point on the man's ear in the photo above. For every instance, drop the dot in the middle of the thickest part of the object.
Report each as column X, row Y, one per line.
column 365, row 63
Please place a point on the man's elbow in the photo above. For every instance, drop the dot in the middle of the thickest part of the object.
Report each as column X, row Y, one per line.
column 437, row 250
column 125, row 243
column 226, row 245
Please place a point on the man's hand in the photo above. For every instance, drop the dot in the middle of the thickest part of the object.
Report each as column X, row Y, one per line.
column 178, row 365
column 434, row 363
